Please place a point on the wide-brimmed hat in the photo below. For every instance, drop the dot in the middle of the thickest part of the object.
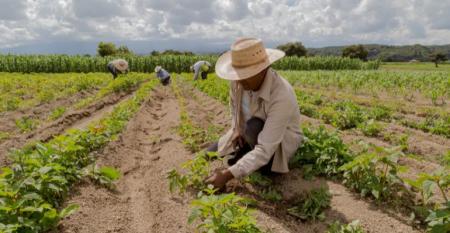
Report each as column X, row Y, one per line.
column 247, row 57
column 120, row 64
column 157, row 69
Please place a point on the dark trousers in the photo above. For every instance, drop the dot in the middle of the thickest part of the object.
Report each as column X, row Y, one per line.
column 112, row 70
column 253, row 127
column 204, row 75
column 165, row 81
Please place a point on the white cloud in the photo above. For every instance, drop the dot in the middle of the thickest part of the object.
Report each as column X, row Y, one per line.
column 316, row 23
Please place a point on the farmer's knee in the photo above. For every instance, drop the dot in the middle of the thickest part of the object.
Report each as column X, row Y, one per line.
column 253, row 127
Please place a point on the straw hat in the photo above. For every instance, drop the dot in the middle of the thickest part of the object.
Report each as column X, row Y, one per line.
column 120, row 64
column 247, row 57
column 157, row 69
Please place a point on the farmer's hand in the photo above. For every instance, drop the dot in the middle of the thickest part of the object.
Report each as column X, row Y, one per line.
column 238, row 141
column 219, row 178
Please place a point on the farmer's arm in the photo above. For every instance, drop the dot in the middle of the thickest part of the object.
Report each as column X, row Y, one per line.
column 269, row 139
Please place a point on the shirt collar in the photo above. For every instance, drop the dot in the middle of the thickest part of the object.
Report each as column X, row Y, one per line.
column 264, row 91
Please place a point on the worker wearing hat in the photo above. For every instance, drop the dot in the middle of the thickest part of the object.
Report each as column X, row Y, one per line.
column 201, row 68
column 265, row 128
column 116, row 66
column 162, row 75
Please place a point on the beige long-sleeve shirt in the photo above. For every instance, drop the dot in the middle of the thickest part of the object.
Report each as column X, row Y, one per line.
column 275, row 102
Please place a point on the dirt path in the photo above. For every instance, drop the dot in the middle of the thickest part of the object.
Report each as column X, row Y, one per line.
column 71, row 119
column 150, row 147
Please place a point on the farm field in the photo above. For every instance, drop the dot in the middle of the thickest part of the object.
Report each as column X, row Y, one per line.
column 125, row 155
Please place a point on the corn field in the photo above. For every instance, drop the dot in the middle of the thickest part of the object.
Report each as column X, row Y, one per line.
column 173, row 63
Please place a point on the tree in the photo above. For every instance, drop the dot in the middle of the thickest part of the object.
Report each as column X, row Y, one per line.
column 438, row 57
column 106, row 49
column 355, row 51
column 124, row 50
column 155, row 53
column 293, row 49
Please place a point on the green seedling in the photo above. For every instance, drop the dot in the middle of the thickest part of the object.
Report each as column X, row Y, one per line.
column 353, row 227
column 311, row 205
column 222, row 213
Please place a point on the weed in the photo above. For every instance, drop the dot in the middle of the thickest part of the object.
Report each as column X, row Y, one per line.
column 26, row 124
column 57, row 113
column 311, row 205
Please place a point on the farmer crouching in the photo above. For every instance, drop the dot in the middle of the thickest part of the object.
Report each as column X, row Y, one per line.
column 162, row 75
column 265, row 130
column 117, row 66
column 202, row 68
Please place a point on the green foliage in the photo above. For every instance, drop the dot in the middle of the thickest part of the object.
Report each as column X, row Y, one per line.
column 311, row 205
column 103, row 175
column 256, row 178
column 370, row 128
column 197, row 170
column 57, row 113
column 26, row 124
column 222, row 213
column 439, row 220
column 355, row 51
column 375, row 173
column 293, row 49
column 147, row 64
column 270, row 194
column 353, row 227
column 106, row 49
column 321, row 153
column 4, row 135
column 438, row 57
column 34, row 186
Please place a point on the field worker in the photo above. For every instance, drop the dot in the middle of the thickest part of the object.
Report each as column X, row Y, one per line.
column 163, row 75
column 265, row 128
column 201, row 67
column 118, row 65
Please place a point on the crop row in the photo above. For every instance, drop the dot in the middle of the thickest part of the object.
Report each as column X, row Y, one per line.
column 373, row 172
column 434, row 86
column 34, row 187
column 173, row 63
column 19, row 91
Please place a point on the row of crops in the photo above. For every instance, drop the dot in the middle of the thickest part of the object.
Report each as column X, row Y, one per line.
column 173, row 63
column 374, row 172
column 33, row 188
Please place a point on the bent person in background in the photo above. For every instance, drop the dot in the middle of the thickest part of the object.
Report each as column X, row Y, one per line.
column 162, row 75
column 117, row 66
column 265, row 131
column 202, row 68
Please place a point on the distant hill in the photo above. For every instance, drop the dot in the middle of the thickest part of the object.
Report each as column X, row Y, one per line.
column 389, row 52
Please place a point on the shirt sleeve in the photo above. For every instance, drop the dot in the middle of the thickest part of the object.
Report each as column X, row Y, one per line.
column 269, row 139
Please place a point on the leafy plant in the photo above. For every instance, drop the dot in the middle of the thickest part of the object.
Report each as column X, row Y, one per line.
column 270, row 194
column 321, row 153
column 222, row 213
column 57, row 113
column 198, row 170
column 256, row 178
column 353, row 227
column 26, row 124
column 103, row 175
column 370, row 128
column 374, row 173
column 311, row 205
column 439, row 220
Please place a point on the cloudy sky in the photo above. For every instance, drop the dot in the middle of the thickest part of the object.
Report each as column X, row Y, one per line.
column 76, row 26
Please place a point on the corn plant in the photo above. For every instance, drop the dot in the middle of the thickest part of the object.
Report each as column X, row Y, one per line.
column 311, row 205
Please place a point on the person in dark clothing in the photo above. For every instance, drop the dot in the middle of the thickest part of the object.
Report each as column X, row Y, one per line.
column 162, row 75
column 117, row 66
